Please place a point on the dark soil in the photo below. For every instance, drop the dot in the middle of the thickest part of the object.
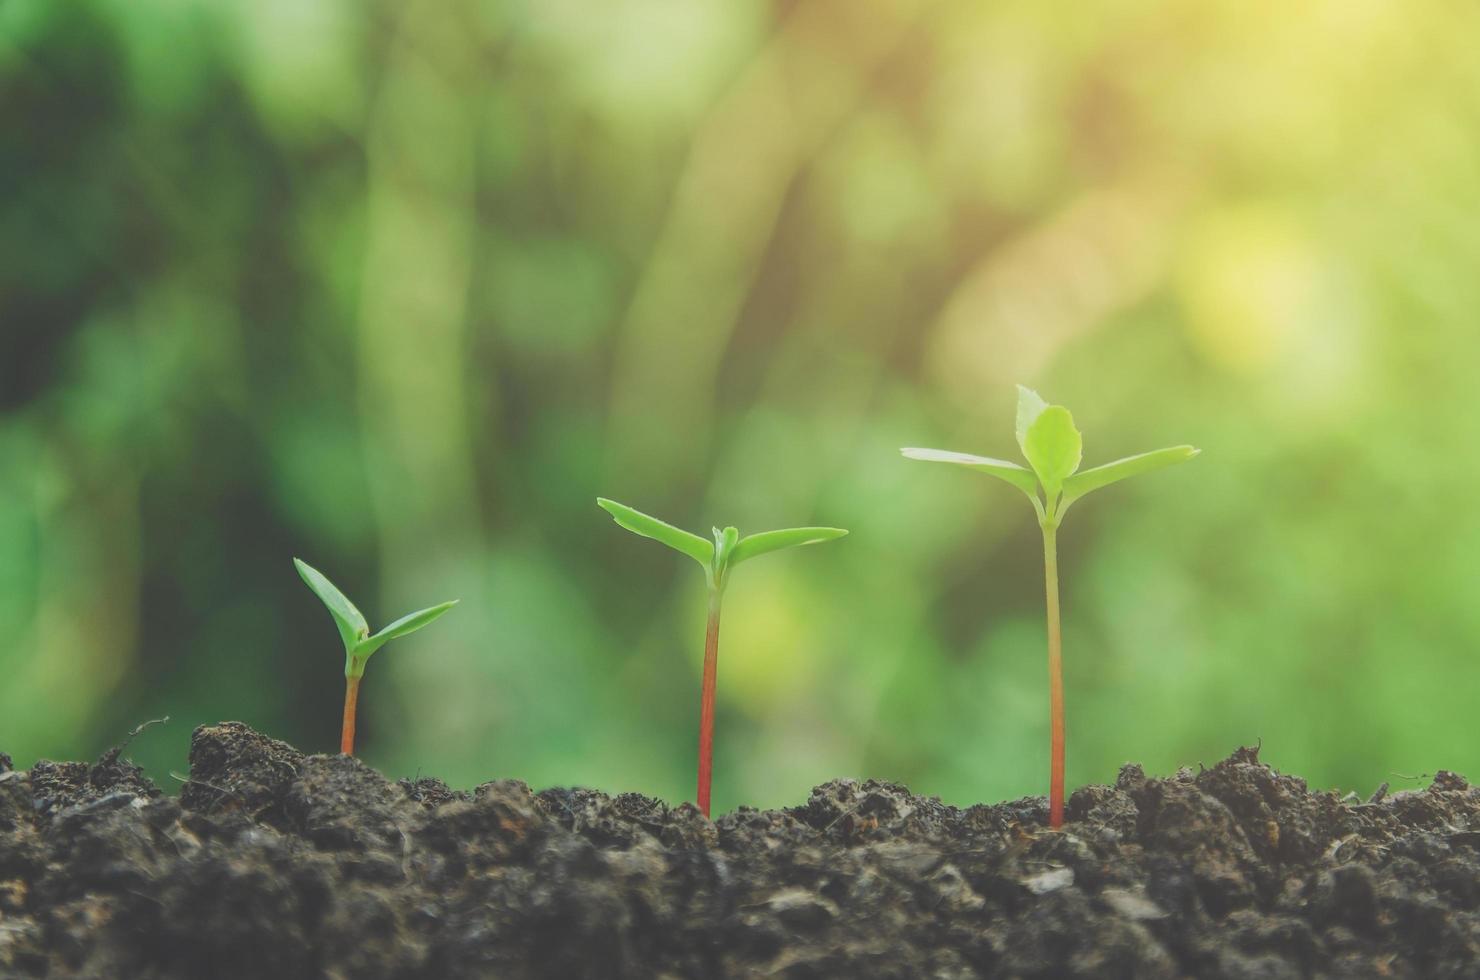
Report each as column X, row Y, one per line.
column 276, row 864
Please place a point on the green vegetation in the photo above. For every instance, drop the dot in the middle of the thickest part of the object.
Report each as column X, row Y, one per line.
column 717, row 558
column 1053, row 448
column 359, row 643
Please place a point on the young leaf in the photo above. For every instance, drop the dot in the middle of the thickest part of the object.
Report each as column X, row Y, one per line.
column 414, row 621
column 1019, row 476
column 352, row 625
column 794, row 537
column 650, row 527
column 1096, row 477
column 1029, row 407
column 724, row 544
column 1054, row 447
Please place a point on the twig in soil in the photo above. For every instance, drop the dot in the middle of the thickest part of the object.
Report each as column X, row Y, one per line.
column 1379, row 795
column 169, row 835
column 201, row 782
column 141, row 727
column 846, row 813
column 405, row 850
column 111, row 756
column 575, row 822
column 1422, row 775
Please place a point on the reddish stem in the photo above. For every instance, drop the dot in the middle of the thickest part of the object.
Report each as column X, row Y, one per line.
column 347, row 733
column 1055, row 682
column 706, row 704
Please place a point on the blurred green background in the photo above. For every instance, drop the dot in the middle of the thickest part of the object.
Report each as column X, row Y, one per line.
column 400, row 287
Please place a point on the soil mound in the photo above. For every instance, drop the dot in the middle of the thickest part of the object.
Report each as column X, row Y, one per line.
column 275, row 863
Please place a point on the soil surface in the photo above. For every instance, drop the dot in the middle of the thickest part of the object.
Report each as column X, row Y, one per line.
column 272, row 863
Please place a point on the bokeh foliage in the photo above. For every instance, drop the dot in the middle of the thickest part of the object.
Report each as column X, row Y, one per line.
column 400, row 287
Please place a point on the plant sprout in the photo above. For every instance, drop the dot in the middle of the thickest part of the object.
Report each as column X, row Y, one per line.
column 358, row 643
column 1052, row 447
column 726, row 550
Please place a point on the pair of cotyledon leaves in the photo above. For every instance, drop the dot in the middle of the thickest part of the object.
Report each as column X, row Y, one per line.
column 1054, row 449
column 359, row 644
column 726, row 550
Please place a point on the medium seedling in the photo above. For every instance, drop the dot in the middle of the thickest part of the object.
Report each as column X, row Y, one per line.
column 358, row 643
column 727, row 550
column 1052, row 447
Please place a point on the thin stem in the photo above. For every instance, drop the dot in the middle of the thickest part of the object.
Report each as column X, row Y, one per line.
column 706, row 702
column 1037, row 507
column 1055, row 679
column 347, row 733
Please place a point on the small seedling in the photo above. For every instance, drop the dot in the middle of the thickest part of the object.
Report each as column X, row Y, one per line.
column 1052, row 446
column 358, row 643
column 726, row 550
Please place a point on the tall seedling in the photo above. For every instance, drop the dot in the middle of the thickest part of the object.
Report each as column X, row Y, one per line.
column 727, row 550
column 1052, row 447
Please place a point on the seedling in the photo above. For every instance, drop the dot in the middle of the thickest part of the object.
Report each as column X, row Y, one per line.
column 1052, row 446
column 358, row 643
column 727, row 550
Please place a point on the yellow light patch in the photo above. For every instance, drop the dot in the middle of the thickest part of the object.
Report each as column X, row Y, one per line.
column 768, row 651
column 1250, row 285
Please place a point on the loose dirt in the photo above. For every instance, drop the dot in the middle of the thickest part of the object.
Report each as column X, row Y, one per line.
column 272, row 863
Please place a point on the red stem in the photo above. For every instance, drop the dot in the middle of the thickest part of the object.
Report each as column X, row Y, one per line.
column 347, row 733
column 706, row 704
column 1055, row 682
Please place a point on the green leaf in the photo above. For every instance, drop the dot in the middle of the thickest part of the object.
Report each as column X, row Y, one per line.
column 401, row 627
column 412, row 622
column 1019, row 476
column 793, row 537
column 1092, row 479
column 1054, row 448
column 650, row 527
column 1029, row 407
column 352, row 625
column 724, row 543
